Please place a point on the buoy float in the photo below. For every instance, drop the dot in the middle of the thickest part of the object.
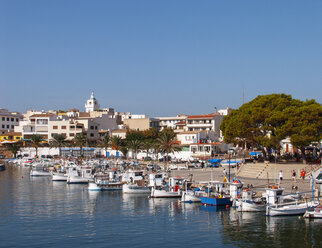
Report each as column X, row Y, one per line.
column 21, row 176
column 227, row 206
column 299, row 217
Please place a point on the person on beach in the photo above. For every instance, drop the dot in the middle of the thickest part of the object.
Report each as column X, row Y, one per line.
column 225, row 172
column 294, row 175
column 281, row 176
column 303, row 172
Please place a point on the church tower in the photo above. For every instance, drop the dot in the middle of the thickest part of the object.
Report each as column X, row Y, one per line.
column 91, row 104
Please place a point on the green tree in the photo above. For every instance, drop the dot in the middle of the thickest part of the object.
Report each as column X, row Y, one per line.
column 80, row 141
column 14, row 148
column 36, row 139
column 59, row 141
column 124, row 151
column 147, row 145
column 134, row 141
column 303, row 125
column 167, row 143
column 258, row 122
column 116, row 142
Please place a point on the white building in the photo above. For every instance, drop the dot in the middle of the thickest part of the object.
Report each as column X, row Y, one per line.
column 177, row 123
column 8, row 121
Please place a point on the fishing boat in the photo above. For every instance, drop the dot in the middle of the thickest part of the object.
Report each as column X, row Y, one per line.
column 135, row 189
column 84, row 176
column 59, row 176
column 314, row 214
column 216, row 194
column 39, row 171
column 104, row 185
column 172, row 190
column 291, row 209
column 247, row 203
column 190, row 196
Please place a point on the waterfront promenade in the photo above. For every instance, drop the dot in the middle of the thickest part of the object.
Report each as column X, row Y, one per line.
column 249, row 175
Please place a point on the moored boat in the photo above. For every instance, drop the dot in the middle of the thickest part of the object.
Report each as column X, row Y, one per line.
column 135, row 189
column 314, row 214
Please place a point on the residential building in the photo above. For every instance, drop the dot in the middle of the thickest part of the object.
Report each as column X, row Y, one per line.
column 8, row 121
column 11, row 137
column 120, row 133
column 177, row 123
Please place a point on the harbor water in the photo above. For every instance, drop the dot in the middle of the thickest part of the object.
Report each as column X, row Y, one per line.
column 36, row 212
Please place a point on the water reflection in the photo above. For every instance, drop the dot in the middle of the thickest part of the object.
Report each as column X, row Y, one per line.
column 56, row 214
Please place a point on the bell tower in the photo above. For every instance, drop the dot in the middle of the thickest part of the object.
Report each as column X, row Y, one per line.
column 92, row 104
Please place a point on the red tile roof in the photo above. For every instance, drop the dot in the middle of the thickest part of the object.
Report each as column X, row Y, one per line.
column 210, row 116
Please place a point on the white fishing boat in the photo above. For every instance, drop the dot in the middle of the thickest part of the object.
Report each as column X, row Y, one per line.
column 190, row 196
column 249, row 204
column 173, row 190
column 135, row 189
column 59, row 176
column 314, row 214
column 104, row 185
column 164, row 193
column 39, row 171
column 84, row 176
column 291, row 209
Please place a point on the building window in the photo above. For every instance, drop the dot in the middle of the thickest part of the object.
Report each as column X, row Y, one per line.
column 12, row 119
column 71, row 134
column 17, row 138
column 63, row 127
column 2, row 126
column 17, row 119
column 92, row 135
column 55, row 127
column 12, row 126
column 3, row 118
column 95, row 127
column 7, row 126
column 92, row 127
column 7, row 118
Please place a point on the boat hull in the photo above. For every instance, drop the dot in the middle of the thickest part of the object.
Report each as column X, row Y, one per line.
column 156, row 193
column 59, row 178
column 189, row 198
column 250, row 206
column 299, row 209
column 104, row 187
column 135, row 189
column 39, row 173
column 212, row 201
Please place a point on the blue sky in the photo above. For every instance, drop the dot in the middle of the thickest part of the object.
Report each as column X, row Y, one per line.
column 157, row 57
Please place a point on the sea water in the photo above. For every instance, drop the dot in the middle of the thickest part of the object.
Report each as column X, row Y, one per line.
column 36, row 212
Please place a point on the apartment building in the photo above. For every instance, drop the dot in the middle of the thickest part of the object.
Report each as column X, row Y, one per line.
column 8, row 120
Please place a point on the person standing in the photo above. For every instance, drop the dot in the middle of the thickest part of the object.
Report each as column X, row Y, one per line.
column 294, row 176
column 281, row 176
column 303, row 172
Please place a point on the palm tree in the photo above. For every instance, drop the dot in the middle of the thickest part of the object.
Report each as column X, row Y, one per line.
column 134, row 145
column 116, row 142
column 156, row 148
column 59, row 141
column 167, row 144
column 80, row 140
column 36, row 140
column 14, row 148
column 147, row 145
column 105, row 142
column 124, row 151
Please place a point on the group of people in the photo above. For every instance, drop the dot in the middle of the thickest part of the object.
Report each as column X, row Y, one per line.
column 303, row 173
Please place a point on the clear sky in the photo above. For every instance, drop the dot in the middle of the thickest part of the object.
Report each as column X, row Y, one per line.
column 157, row 57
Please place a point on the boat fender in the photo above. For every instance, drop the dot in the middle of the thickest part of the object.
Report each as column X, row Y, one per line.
column 219, row 196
